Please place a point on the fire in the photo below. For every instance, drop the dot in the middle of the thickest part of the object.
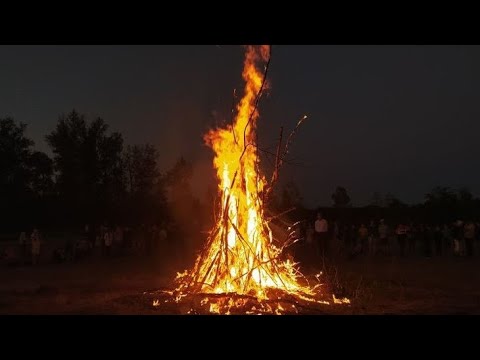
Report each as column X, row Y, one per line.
column 242, row 269
column 240, row 256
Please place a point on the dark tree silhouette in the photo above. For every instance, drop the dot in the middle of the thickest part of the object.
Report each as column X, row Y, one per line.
column 441, row 204
column 377, row 199
column 441, row 196
column 144, row 184
column 92, row 178
column 88, row 164
column 25, row 175
column 464, row 195
column 391, row 201
column 140, row 163
column 340, row 197
column 14, row 156
column 41, row 174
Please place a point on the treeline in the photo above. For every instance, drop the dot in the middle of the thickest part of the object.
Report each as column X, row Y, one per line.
column 92, row 177
column 441, row 205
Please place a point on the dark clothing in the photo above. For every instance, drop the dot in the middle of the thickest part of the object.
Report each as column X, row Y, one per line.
column 438, row 242
column 402, row 242
column 321, row 243
column 469, row 247
column 427, row 242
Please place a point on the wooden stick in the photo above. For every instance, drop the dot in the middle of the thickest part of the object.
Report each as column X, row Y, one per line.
column 281, row 214
column 277, row 161
column 290, row 138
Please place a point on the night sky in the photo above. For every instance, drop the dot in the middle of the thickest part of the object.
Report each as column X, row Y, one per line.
column 397, row 119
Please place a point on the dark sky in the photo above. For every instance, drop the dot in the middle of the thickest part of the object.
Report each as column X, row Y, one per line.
column 397, row 119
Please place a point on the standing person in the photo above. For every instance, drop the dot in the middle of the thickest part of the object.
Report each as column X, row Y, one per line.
column 428, row 236
column 127, row 239
column 98, row 244
column 412, row 239
column 438, row 237
column 118, row 238
column 351, row 238
column 363, row 236
column 69, row 249
column 469, row 236
column 22, row 241
column 90, row 236
column 457, row 237
column 372, row 238
column 476, row 246
column 103, row 232
column 446, row 238
column 402, row 238
column 383, row 237
column 108, row 240
column 35, row 237
column 321, row 234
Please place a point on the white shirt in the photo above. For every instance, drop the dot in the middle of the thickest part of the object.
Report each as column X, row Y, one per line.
column 321, row 226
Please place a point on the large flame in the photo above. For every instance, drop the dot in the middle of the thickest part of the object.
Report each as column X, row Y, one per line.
column 240, row 256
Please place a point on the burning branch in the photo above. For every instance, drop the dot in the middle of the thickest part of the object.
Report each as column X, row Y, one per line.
column 280, row 159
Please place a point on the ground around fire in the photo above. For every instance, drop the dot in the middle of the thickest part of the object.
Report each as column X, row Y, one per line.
column 385, row 285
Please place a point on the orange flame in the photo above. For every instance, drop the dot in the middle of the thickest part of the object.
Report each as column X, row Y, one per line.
column 240, row 256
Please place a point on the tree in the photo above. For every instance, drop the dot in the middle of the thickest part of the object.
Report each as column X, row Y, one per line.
column 110, row 171
column 391, row 201
column 140, row 163
column 178, row 180
column 377, row 199
column 441, row 196
column 23, row 170
column 25, row 176
column 465, row 195
column 181, row 200
column 88, row 164
column 340, row 197
column 144, row 184
column 441, row 203
column 466, row 203
column 14, row 154
column 41, row 174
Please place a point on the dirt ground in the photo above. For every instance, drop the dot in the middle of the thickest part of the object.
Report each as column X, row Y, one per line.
column 116, row 286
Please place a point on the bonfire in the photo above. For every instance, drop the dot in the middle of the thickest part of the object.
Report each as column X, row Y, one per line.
column 243, row 268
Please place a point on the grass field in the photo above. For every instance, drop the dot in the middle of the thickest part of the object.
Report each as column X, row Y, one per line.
column 386, row 285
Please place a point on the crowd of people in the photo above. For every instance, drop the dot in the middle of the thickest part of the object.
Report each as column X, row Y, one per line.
column 318, row 239
column 93, row 241
column 403, row 239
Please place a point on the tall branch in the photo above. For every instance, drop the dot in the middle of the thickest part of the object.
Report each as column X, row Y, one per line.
column 257, row 99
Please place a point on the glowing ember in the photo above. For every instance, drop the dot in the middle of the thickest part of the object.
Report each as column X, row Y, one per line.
column 240, row 259
column 340, row 301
